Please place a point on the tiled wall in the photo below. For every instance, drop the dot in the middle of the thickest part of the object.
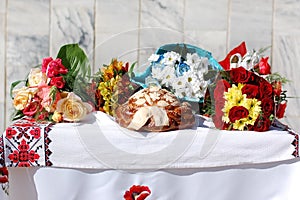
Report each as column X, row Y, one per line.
column 130, row 29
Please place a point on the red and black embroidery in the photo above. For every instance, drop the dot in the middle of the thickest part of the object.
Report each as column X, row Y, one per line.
column 47, row 142
column 295, row 142
column 27, row 144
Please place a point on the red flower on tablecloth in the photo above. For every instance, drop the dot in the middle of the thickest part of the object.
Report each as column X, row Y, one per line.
column 137, row 192
column 23, row 156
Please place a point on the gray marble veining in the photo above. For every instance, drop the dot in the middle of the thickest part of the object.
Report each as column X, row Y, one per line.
column 72, row 23
column 163, row 23
column 162, row 13
column 287, row 15
column 27, row 40
column 250, row 22
column 286, row 53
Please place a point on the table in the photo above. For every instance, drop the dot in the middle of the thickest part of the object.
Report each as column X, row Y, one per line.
column 97, row 158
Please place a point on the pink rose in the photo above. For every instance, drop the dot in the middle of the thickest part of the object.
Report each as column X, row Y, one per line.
column 53, row 67
column 32, row 108
column 58, row 81
column 44, row 94
column 45, row 63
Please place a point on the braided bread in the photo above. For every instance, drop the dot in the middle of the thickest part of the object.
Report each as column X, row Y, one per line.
column 154, row 109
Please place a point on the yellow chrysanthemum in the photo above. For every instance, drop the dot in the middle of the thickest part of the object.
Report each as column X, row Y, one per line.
column 240, row 124
column 235, row 97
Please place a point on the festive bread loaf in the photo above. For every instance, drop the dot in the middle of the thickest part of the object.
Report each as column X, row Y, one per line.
column 154, row 109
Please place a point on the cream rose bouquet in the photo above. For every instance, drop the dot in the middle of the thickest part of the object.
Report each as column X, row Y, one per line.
column 57, row 90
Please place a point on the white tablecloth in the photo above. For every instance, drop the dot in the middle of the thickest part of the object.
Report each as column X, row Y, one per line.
column 279, row 181
column 98, row 159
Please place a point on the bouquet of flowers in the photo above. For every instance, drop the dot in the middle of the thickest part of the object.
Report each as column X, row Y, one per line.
column 56, row 89
column 182, row 69
column 113, row 85
column 247, row 96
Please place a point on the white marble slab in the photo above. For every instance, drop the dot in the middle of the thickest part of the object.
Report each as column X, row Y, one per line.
column 116, row 31
column 162, row 13
column 286, row 50
column 72, row 22
column 27, row 40
column 122, row 46
column 286, row 16
column 212, row 41
column 2, row 64
column 205, row 25
column 203, row 15
column 150, row 39
column 250, row 21
column 162, row 22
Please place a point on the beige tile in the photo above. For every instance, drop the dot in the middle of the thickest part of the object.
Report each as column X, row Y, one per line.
column 250, row 22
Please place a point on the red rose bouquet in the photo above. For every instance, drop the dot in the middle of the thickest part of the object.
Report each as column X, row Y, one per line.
column 246, row 95
column 55, row 90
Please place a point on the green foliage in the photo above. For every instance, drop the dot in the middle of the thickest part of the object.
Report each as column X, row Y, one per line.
column 79, row 70
column 77, row 63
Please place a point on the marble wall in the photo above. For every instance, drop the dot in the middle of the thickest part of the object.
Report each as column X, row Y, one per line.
column 130, row 29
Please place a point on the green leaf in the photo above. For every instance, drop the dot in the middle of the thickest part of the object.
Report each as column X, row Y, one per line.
column 131, row 68
column 77, row 63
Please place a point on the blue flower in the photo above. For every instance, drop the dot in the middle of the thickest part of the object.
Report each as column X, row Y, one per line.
column 181, row 68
